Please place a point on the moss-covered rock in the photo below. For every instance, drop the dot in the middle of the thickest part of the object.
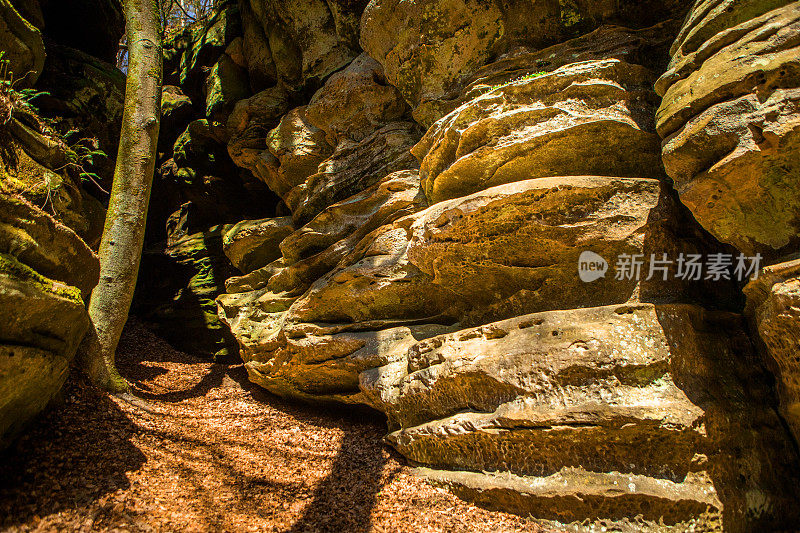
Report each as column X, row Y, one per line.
column 189, row 53
column 84, row 94
column 42, row 321
column 226, row 84
column 177, row 288
column 37, row 240
column 46, row 272
column 22, row 45
column 299, row 42
column 428, row 48
column 176, row 113
column 56, row 193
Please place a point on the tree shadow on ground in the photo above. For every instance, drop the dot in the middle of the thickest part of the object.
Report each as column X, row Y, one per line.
column 74, row 454
column 344, row 500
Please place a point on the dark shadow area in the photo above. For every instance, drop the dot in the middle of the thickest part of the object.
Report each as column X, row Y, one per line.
column 344, row 500
column 353, row 470
column 749, row 450
column 211, row 380
column 74, row 454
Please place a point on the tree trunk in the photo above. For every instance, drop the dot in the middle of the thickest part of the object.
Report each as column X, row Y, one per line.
column 123, row 234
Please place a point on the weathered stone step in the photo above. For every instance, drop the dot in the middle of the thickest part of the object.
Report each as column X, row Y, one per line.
column 661, row 439
column 573, row 494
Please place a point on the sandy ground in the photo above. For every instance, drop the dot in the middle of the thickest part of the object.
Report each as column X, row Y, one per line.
column 201, row 449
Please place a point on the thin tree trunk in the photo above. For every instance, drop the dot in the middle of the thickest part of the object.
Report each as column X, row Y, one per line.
column 123, row 234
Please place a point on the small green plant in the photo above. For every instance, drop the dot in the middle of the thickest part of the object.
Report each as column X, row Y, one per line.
column 521, row 78
column 6, row 76
column 82, row 153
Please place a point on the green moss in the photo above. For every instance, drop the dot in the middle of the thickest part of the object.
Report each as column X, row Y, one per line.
column 530, row 76
column 570, row 13
column 12, row 268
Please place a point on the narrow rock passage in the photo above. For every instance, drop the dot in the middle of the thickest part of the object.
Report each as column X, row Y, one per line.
column 200, row 449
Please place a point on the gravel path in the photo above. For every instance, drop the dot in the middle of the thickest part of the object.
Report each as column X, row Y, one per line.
column 201, row 449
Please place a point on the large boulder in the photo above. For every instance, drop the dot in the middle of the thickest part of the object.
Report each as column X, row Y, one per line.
column 225, row 85
column 46, row 272
column 40, row 242
column 297, row 148
column 23, row 46
column 597, row 412
column 451, row 262
column 298, row 42
column 645, row 47
column 252, row 244
column 621, row 395
column 730, row 121
column 446, row 264
column 355, row 102
column 773, row 306
column 428, row 48
column 591, row 117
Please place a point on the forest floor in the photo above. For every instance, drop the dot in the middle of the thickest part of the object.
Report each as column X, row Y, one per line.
column 201, row 449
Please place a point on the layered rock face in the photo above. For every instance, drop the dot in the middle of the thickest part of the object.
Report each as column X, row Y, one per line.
column 731, row 129
column 442, row 187
column 730, row 121
column 439, row 44
column 46, row 273
column 773, row 304
column 562, row 414
column 24, row 50
column 48, row 221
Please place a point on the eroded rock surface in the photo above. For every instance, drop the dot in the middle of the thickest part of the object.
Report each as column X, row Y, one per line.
column 23, row 46
column 773, row 306
column 641, row 401
column 730, row 121
column 550, row 124
column 416, row 259
column 299, row 42
column 46, row 272
column 253, row 244
column 429, row 47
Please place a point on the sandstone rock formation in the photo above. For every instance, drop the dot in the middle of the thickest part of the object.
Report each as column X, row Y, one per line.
column 773, row 306
column 602, row 411
column 252, row 244
column 730, row 121
column 550, row 124
column 429, row 47
column 298, row 43
column 23, row 48
column 46, row 272
column 601, row 404
column 430, row 197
